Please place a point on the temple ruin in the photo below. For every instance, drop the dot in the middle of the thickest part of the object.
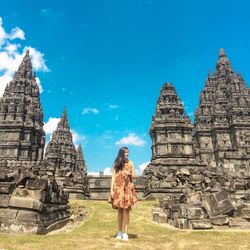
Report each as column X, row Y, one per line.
column 69, row 163
column 30, row 198
column 201, row 172
column 222, row 121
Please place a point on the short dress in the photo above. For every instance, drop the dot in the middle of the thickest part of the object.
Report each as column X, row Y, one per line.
column 124, row 189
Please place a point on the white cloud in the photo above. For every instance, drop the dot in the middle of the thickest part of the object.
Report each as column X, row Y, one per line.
column 51, row 124
column 12, row 48
column 11, row 55
column 3, row 34
column 77, row 138
column 141, row 167
column 51, row 13
column 4, row 80
column 131, row 139
column 17, row 33
column 37, row 59
column 113, row 106
column 90, row 110
column 39, row 84
column 107, row 171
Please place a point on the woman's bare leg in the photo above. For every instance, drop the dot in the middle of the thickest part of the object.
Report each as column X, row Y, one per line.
column 125, row 220
column 120, row 219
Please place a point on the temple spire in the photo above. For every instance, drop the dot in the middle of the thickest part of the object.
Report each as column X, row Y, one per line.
column 81, row 165
column 222, row 53
column 64, row 122
column 25, row 68
column 223, row 66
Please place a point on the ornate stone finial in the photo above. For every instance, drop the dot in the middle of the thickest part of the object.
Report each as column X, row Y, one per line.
column 64, row 114
column 27, row 53
column 222, row 53
column 80, row 162
column 239, row 75
column 25, row 68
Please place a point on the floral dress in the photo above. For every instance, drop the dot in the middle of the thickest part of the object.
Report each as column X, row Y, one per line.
column 124, row 188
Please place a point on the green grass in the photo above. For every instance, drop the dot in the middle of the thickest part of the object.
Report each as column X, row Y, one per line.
column 98, row 232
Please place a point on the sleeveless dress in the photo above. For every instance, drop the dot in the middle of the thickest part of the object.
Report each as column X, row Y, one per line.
column 124, row 189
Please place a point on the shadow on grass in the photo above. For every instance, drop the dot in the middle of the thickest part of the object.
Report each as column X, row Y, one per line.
column 132, row 236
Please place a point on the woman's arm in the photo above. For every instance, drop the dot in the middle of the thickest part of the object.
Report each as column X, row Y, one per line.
column 133, row 169
column 112, row 180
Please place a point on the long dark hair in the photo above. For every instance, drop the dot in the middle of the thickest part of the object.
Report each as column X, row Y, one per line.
column 120, row 159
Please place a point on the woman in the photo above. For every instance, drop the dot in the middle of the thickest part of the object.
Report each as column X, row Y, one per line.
column 122, row 191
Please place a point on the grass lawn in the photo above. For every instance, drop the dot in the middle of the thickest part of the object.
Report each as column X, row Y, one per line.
column 99, row 229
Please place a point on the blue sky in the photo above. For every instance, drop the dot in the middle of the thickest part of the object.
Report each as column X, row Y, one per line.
column 106, row 61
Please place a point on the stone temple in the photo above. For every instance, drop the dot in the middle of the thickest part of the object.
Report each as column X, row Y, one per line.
column 201, row 172
column 22, row 136
column 222, row 121
column 30, row 198
column 172, row 146
column 69, row 163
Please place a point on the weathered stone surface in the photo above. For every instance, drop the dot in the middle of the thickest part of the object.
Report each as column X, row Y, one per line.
column 220, row 220
column 246, row 213
column 218, row 204
column 29, row 203
column 4, row 200
column 199, row 224
column 195, row 213
column 6, row 187
column 182, row 223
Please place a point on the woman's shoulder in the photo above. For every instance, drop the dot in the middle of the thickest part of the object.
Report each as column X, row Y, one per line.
column 130, row 163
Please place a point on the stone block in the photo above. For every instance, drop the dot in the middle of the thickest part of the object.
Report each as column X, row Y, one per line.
column 6, row 187
column 165, row 184
column 29, row 217
column 220, row 220
column 246, row 213
column 8, row 215
column 181, row 223
column 199, row 224
column 218, row 204
column 36, row 184
column 162, row 217
column 183, row 211
column 27, row 203
column 34, row 194
column 195, row 213
column 4, row 200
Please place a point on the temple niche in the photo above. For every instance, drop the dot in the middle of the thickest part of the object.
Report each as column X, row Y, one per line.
column 222, row 121
column 69, row 163
column 30, row 199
